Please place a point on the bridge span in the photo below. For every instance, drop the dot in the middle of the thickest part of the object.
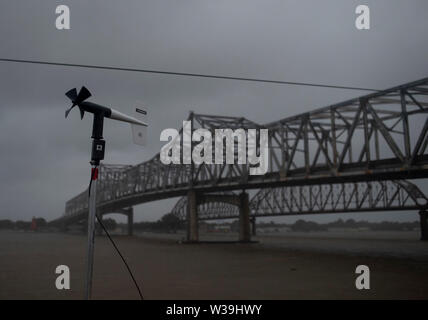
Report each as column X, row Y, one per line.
column 370, row 196
column 359, row 144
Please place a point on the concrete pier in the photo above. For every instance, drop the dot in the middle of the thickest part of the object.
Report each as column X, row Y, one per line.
column 130, row 215
column 253, row 226
column 192, row 217
column 244, row 218
column 423, row 216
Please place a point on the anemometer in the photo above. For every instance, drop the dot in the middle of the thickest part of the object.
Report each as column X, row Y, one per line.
column 97, row 154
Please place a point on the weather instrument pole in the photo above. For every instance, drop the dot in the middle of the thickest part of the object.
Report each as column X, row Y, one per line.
column 91, row 232
column 98, row 146
column 98, row 150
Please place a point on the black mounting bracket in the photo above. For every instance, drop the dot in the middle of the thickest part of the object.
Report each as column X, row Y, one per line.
column 98, row 143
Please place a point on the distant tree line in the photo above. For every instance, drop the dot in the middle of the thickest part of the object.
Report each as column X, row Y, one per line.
column 109, row 224
column 384, row 225
column 7, row 224
column 302, row 225
column 171, row 224
column 168, row 223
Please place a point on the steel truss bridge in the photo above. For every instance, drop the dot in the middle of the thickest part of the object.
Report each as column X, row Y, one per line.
column 353, row 156
column 313, row 199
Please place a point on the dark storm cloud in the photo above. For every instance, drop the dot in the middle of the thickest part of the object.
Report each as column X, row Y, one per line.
column 45, row 157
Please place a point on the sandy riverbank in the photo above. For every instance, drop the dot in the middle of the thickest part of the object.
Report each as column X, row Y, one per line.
column 167, row 270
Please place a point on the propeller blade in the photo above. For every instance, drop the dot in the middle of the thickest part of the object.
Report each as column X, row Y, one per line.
column 82, row 113
column 72, row 94
column 68, row 111
column 77, row 99
column 83, row 95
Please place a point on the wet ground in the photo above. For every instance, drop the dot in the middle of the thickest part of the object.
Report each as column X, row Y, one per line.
column 292, row 266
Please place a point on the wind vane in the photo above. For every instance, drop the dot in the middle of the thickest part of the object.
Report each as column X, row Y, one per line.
column 98, row 149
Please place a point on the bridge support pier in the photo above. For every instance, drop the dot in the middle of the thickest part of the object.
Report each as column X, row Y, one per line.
column 130, row 216
column 63, row 227
column 244, row 218
column 192, row 217
column 423, row 216
column 253, row 226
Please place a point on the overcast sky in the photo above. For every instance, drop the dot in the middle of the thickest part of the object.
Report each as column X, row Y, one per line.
column 44, row 157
